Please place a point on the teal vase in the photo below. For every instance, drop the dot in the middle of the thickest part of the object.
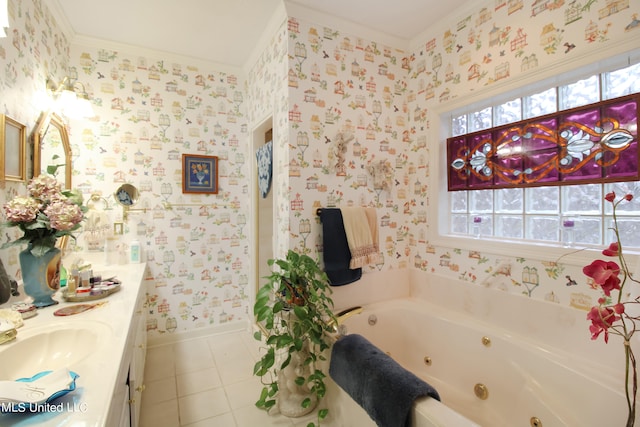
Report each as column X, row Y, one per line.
column 41, row 275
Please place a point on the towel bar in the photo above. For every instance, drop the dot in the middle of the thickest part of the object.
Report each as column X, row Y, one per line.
column 319, row 210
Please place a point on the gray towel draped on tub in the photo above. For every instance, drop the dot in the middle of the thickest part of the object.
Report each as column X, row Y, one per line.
column 375, row 381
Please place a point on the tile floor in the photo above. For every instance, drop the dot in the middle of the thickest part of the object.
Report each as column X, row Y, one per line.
column 207, row 382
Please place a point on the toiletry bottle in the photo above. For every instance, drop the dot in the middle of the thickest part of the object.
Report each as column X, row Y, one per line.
column 71, row 285
column 63, row 276
column 135, row 251
column 85, row 275
column 75, row 274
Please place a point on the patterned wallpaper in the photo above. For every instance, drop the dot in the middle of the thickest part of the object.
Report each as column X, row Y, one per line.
column 267, row 94
column 34, row 48
column 320, row 84
column 348, row 115
column 149, row 111
column 340, row 83
column 499, row 41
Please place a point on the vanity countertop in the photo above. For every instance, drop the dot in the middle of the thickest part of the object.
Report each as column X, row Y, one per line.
column 100, row 369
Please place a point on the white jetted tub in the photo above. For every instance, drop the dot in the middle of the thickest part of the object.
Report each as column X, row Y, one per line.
column 497, row 360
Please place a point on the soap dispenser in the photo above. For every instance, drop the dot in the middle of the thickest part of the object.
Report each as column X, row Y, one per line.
column 135, row 255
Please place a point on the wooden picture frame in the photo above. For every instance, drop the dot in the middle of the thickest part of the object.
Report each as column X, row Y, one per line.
column 199, row 174
column 13, row 153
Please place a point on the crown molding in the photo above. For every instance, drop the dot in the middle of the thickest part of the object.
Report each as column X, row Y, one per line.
column 61, row 19
column 96, row 43
column 277, row 19
column 444, row 23
column 316, row 17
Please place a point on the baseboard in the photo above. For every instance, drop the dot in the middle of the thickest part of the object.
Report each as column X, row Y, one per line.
column 170, row 338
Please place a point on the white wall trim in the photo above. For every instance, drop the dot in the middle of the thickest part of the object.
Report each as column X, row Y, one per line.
column 445, row 23
column 156, row 340
column 277, row 20
column 350, row 27
column 166, row 57
column 61, row 19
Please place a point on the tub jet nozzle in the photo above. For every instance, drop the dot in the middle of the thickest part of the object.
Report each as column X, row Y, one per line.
column 481, row 391
column 373, row 319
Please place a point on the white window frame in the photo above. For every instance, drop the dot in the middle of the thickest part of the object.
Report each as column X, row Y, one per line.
column 563, row 73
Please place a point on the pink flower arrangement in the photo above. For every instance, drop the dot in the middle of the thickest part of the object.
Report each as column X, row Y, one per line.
column 610, row 315
column 45, row 214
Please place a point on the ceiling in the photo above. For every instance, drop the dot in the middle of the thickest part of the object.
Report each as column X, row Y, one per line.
column 227, row 31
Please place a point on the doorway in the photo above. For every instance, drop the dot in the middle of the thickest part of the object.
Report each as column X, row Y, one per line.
column 262, row 210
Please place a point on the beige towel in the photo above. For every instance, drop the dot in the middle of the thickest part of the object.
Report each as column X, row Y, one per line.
column 360, row 225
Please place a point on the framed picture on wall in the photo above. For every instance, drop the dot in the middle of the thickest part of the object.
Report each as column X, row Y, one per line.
column 13, row 162
column 199, row 174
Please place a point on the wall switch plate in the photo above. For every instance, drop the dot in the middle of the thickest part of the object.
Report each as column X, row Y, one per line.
column 118, row 228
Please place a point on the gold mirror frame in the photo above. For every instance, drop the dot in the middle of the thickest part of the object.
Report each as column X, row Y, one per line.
column 13, row 165
column 49, row 120
column 127, row 196
column 47, row 123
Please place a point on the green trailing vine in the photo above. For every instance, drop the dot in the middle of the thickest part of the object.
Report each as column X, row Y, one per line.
column 295, row 311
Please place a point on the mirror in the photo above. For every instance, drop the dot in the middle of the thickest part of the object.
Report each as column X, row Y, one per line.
column 51, row 147
column 127, row 195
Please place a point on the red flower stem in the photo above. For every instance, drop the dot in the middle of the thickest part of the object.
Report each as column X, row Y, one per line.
column 629, row 356
column 631, row 401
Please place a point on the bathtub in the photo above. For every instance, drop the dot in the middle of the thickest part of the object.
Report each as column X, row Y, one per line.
column 492, row 364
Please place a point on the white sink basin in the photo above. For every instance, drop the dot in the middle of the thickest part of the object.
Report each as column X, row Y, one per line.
column 50, row 347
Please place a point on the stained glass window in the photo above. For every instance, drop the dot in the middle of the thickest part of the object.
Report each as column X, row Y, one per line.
column 550, row 210
column 593, row 143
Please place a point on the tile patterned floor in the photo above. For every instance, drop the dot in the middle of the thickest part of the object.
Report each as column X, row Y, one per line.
column 206, row 382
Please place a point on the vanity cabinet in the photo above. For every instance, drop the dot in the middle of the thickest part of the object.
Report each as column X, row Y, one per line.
column 136, row 368
column 129, row 387
column 109, row 359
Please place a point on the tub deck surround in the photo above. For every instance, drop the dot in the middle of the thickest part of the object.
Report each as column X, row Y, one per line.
column 372, row 287
column 100, row 370
column 551, row 327
column 532, row 358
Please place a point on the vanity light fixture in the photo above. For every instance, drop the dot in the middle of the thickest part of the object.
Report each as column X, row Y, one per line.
column 4, row 17
column 71, row 97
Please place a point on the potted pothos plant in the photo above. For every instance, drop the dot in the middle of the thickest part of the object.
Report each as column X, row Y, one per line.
column 295, row 311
